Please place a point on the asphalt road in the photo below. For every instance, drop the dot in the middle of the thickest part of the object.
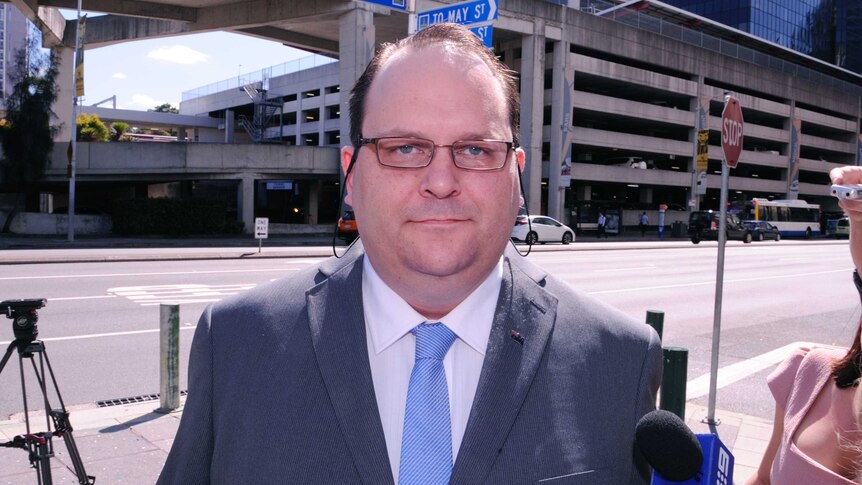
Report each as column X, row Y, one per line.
column 101, row 322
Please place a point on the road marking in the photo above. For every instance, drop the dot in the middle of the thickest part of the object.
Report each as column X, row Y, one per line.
column 187, row 293
column 732, row 373
column 623, row 269
column 80, row 297
column 185, row 326
column 712, row 282
column 165, row 273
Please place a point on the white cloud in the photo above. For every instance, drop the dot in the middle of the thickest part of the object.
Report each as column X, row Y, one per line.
column 119, row 75
column 178, row 54
column 144, row 101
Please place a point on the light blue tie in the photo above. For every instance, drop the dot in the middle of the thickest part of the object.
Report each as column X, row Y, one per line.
column 426, row 444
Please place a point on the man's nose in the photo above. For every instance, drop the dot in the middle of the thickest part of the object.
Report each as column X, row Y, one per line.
column 441, row 177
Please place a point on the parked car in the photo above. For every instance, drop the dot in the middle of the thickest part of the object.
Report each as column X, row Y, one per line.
column 761, row 230
column 347, row 229
column 842, row 227
column 703, row 226
column 541, row 229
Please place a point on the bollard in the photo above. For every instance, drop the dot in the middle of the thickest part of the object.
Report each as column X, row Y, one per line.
column 169, row 355
column 655, row 319
column 674, row 380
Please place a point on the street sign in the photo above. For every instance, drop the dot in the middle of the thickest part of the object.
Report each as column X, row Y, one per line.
column 731, row 131
column 465, row 13
column 261, row 227
column 396, row 4
column 484, row 32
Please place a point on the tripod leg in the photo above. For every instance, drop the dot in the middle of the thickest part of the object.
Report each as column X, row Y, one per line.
column 64, row 429
column 7, row 355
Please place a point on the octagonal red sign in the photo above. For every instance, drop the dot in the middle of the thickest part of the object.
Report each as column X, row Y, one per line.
column 731, row 131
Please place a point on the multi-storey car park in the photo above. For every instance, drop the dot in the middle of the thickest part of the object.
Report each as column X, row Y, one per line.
column 627, row 82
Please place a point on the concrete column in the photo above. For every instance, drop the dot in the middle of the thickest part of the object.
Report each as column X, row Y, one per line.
column 65, row 95
column 561, row 126
column 245, row 204
column 786, row 149
column 314, row 201
column 532, row 105
column 229, row 126
column 355, row 50
column 701, row 121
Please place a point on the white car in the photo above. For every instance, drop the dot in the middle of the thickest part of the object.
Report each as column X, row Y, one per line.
column 541, row 229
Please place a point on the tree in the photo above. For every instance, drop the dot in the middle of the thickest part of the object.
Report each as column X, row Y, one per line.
column 91, row 128
column 27, row 137
column 166, row 108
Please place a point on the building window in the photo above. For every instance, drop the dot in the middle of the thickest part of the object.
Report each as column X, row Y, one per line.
column 333, row 138
column 333, row 112
column 311, row 94
column 311, row 115
column 333, row 89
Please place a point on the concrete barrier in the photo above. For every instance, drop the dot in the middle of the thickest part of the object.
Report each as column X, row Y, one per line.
column 37, row 223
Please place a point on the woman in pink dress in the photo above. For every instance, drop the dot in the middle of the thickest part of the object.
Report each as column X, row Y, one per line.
column 816, row 435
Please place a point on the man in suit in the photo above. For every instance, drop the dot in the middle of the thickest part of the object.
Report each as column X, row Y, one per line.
column 326, row 376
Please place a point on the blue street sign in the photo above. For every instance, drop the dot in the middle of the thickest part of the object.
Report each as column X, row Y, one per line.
column 466, row 13
column 396, row 4
column 484, row 32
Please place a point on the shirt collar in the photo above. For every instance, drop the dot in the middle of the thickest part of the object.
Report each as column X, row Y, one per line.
column 389, row 317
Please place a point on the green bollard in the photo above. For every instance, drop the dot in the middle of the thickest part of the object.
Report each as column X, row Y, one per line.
column 655, row 319
column 674, row 380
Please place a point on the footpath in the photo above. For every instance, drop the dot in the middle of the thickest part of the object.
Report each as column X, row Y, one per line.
column 128, row 442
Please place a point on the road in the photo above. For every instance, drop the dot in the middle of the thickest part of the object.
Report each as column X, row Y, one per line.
column 101, row 321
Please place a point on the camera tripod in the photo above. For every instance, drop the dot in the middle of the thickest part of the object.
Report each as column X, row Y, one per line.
column 40, row 445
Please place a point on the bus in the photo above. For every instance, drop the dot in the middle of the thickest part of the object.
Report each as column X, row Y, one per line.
column 791, row 217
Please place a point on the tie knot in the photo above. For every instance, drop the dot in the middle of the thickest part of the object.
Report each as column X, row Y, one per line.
column 432, row 340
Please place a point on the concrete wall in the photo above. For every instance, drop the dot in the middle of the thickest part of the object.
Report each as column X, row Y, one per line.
column 57, row 224
column 131, row 160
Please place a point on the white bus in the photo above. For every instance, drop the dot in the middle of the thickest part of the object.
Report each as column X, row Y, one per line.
column 791, row 217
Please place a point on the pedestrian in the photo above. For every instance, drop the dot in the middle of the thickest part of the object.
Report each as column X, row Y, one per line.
column 816, row 436
column 431, row 352
column 642, row 223
column 602, row 225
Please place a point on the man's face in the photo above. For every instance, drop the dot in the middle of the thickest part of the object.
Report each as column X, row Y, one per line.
column 440, row 220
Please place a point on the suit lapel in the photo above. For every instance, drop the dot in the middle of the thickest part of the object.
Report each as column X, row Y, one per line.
column 338, row 333
column 509, row 367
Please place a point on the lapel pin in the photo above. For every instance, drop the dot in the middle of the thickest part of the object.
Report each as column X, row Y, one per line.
column 517, row 337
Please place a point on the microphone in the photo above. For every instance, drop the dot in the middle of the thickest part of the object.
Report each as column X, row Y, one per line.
column 678, row 456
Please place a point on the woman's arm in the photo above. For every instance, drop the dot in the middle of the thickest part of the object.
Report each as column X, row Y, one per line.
column 762, row 477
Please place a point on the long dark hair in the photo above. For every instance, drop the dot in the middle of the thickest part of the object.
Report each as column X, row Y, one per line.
column 847, row 371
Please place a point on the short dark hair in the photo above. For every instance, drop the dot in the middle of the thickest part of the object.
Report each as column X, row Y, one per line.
column 443, row 33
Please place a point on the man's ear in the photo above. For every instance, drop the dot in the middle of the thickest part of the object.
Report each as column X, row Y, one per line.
column 346, row 157
column 521, row 157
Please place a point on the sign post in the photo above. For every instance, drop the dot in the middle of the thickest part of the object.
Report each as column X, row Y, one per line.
column 261, row 230
column 731, row 146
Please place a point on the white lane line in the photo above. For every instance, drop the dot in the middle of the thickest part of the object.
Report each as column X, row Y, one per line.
column 185, row 326
column 165, row 273
column 732, row 373
column 622, row 269
column 81, row 297
column 712, row 282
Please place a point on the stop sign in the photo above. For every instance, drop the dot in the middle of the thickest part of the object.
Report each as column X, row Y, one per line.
column 731, row 131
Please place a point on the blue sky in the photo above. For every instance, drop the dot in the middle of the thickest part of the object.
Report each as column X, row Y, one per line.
column 146, row 73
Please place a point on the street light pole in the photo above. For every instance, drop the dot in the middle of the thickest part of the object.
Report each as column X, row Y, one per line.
column 74, row 130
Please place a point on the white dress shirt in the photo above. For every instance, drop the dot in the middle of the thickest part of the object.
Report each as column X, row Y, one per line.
column 392, row 351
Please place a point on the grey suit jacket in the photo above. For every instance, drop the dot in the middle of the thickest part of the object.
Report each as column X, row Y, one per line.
column 280, row 388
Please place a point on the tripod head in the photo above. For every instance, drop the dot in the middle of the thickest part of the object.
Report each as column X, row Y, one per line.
column 24, row 317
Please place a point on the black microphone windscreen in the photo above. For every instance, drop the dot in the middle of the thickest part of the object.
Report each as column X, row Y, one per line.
column 669, row 445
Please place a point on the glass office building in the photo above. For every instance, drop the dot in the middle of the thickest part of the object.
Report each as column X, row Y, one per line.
column 825, row 29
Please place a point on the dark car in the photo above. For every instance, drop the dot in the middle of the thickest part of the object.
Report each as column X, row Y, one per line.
column 703, row 226
column 761, row 230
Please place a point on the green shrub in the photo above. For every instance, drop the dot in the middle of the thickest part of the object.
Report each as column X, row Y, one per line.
column 175, row 217
column 91, row 128
column 118, row 130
